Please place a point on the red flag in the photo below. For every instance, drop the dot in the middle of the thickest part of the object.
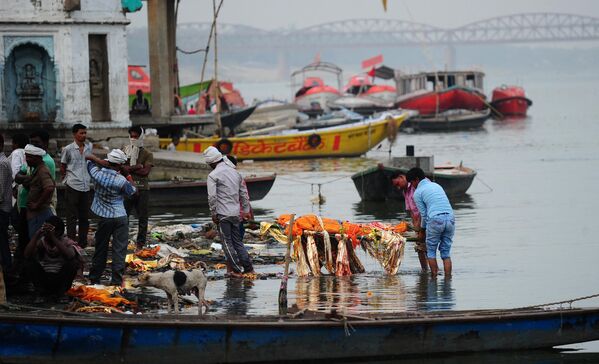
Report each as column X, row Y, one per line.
column 372, row 72
column 371, row 62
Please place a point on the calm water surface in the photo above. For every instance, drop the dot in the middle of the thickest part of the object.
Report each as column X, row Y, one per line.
column 526, row 233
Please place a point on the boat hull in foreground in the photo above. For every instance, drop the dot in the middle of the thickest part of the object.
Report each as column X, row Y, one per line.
column 134, row 339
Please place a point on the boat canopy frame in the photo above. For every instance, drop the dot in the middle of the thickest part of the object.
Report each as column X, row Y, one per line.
column 408, row 83
column 324, row 67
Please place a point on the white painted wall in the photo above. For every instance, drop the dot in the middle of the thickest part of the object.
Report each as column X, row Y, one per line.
column 70, row 32
column 52, row 10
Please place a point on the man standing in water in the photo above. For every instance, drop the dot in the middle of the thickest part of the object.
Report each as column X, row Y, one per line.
column 437, row 219
column 73, row 169
column 399, row 180
column 226, row 191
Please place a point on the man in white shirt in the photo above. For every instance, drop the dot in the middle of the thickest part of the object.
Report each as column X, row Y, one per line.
column 226, row 191
column 73, row 169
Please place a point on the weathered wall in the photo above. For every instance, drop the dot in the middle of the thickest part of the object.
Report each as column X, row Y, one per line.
column 69, row 33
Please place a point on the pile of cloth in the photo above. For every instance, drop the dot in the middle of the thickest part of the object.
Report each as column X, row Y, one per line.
column 323, row 242
column 103, row 296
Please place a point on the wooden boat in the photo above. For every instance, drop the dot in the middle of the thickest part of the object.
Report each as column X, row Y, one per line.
column 335, row 118
column 363, row 105
column 192, row 193
column 229, row 120
column 434, row 102
column 340, row 141
column 55, row 337
column 451, row 120
column 448, row 100
column 374, row 184
column 271, row 113
column 510, row 101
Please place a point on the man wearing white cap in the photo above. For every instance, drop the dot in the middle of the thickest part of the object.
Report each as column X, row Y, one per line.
column 225, row 191
column 41, row 188
column 110, row 189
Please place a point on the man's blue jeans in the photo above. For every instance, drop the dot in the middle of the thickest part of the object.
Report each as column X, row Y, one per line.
column 439, row 235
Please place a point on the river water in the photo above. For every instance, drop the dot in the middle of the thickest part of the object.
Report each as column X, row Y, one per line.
column 526, row 233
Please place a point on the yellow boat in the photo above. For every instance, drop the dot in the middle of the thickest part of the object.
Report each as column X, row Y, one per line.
column 340, row 141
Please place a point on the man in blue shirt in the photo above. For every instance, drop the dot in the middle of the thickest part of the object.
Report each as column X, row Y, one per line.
column 437, row 219
column 108, row 205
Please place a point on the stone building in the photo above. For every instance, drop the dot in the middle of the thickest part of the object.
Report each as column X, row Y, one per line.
column 63, row 62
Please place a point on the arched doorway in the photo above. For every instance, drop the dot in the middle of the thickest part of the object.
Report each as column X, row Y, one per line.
column 30, row 88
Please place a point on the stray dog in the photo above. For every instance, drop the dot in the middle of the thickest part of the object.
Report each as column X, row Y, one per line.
column 174, row 282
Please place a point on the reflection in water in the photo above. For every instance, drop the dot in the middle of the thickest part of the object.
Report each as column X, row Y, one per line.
column 326, row 293
column 380, row 210
column 189, row 215
column 434, row 294
column 238, row 296
column 464, row 202
column 356, row 294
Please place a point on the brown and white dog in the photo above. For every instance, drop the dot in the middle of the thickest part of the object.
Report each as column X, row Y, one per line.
column 174, row 282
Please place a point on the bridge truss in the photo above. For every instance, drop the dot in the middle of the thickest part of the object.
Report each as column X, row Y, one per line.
column 517, row 28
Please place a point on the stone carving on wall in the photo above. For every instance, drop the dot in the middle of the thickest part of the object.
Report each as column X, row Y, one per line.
column 95, row 78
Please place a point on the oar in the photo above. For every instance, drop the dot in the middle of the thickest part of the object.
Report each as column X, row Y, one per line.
column 283, row 289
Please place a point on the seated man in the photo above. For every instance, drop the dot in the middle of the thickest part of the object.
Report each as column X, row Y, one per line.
column 140, row 104
column 52, row 259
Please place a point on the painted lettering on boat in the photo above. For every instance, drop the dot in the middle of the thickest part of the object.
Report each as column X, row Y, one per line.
column 357, row 134
column 299, row 144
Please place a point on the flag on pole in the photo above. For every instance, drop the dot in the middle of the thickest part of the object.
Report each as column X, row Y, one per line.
column 385, row 4
column 372, row 73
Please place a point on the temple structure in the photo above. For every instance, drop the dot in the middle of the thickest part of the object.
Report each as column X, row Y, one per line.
column 63, row 62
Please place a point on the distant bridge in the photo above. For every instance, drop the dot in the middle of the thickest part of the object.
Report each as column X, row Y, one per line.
column 517, row 28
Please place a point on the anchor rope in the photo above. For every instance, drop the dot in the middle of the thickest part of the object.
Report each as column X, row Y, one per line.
column 570, row 301
column 314, row 183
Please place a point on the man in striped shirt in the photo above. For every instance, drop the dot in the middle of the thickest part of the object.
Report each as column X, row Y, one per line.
column 110, row 189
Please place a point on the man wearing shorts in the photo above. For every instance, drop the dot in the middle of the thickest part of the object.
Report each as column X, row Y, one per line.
column 437, row 219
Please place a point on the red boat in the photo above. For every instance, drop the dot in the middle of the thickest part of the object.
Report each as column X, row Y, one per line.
column 510, row 101
column 434, row 102
column 432, row 93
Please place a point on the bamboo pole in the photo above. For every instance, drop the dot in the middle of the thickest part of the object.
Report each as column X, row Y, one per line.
column 283, row 289
column 217, row 89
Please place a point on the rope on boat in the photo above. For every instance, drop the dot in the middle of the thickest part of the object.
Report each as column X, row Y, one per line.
column 569, row 302
column 484, row 183
column 314, row 183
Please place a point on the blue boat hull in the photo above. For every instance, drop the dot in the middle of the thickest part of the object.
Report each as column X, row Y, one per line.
column 35, row 338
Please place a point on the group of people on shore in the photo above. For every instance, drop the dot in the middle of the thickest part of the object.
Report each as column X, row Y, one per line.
column 48, row 255
column 46, row 260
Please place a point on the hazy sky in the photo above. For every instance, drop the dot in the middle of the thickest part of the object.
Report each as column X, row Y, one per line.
column 269, row 14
